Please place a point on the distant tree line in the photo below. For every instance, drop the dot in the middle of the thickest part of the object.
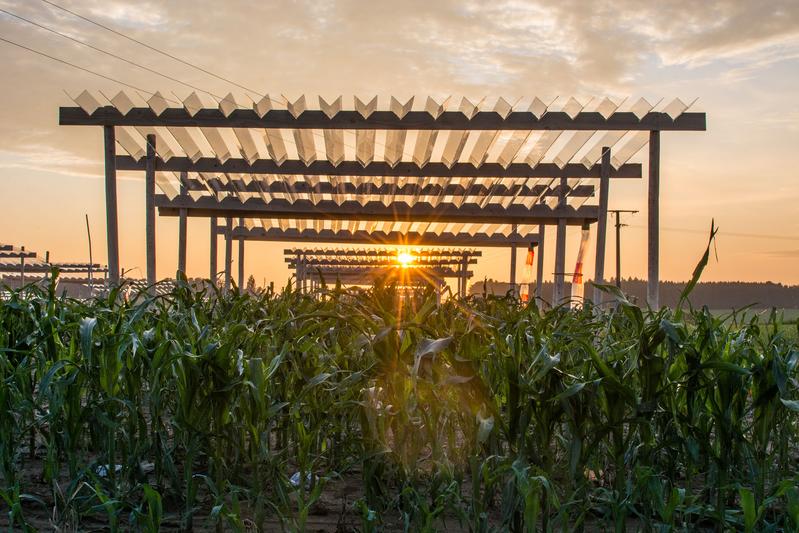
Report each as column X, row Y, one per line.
column 713, row 294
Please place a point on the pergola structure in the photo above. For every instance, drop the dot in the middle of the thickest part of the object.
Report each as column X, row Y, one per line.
column 20, row 265
column 364, row 265
column 448, row 172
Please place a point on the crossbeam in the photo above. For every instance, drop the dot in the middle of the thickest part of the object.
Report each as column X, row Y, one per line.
column 381, row 120
column 395, row 211
column 390, row 238
column 234, row 185
column 370, row 252
column 377, row 168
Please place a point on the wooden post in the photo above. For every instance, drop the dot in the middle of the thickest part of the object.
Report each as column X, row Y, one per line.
column 653, row 246
column 602, row 223
column 22, row 269
column 111, row 225
column 213, row 270
column 228, row 252
column 149, row 208
column 539, row 278
column 182, row 228
column 513, row 262
column 618, row 250
column 241, row 259
column 558, row 290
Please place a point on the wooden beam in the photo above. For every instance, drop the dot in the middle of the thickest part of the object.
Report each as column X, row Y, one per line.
column 374, row 252
column 393, row 238
column 381, row 120
column 539, row 277
column 241, row 260
column 397, row 211
column 111, row 216
column 513, row 265
column 213, row 271
column 381, row 168
column 326, row 262
column 653, row 222
column 559, row 287
column 228, row 253
column 602, row 224
column 182, row 230
column 233, row 184
column 149, row 210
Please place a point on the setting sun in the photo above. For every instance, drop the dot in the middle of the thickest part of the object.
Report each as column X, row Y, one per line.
column 404, row 259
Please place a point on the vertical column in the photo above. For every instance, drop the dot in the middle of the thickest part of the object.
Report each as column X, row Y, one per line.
column 539, row 278
column 149, row 211
column 111, row 226
column 558, row 290
column 241, row 259
column 514, row 228
column 618, row 249
column 228, row 252
column 182, row 227
column 653, row 228
column 213, row 270
column 602, row 223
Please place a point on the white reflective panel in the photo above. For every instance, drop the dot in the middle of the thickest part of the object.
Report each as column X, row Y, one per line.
column 186, row 140
column 131, row 142
column 365, row 146
column 640, row 108
column 165, row 145
column 228, row 105
column 512, row 147
column 675, row 108
column 88, row 102
column 297, row 107
column 540, row 148
column 267, row 104
column 217, row 143
column 606, row 107
column 498, row 105
column 482, row 145
column 275, row 145
column 123, row 102
column 192, row 104
column 633, row 144
column 306, row 149
column 572, row 107
column 537, row 108
column 158, row 103
column 606, row 139
column 454, row 147
column 249, row 223
column 395, row 146
column 578, row 139
column 163, row 182
column 399, row 108
column 423, row 150
column 364, row 107
column 246, row 144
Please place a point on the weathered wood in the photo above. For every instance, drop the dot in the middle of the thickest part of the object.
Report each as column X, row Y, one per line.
column 241, row 260
column 392, row 238
column 602, row 224
column 396, row 211
column 213, row 271
column 513, row 264
column 228, row 253
column 234, row 184
column 413, row 120
column 149, row 210
column 381, row 168
column 653, row 223
column 558, row 290
column 539, row 274
column 111, row 216
column 182, row 229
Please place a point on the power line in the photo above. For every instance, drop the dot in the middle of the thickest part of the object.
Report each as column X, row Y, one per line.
column 110, row 54
column 731, row 234
column 73, row 65
column 150, row 47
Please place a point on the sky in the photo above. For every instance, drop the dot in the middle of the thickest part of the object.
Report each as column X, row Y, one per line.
column 739, row 58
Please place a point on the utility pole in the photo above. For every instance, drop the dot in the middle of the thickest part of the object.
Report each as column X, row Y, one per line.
column 619, row 225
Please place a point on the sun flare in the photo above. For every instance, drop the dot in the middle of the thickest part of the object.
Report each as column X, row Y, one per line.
column 404, row 259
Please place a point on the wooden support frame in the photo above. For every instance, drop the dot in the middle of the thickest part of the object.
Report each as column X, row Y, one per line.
column 111, row 214
column 213, row 270
column 539, row 277
column 228, row 253
column 149, row 211
column 396, row 211
column 558, row 289
column 382, row 120
column 240, row 266
column 182, row 228
column 653, row 223
column 602, row 224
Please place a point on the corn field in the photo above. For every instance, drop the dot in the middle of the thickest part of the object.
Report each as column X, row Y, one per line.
column 197, row 410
